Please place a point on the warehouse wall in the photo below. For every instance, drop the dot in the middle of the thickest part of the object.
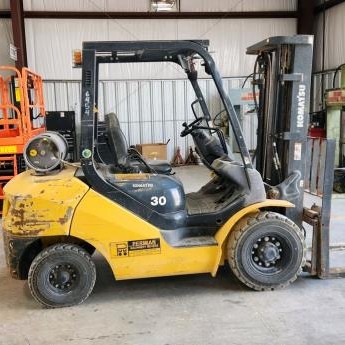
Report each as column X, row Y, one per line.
column 149, row 111
column 49, row 52
column 334, row 38
column 143, row 5
column 238, row 5
column 155, row 110
column 4, row 4
column 6, row 38
column 334, row 52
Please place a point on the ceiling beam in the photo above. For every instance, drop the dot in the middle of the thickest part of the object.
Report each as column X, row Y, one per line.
column 5, row 14
column 154, row 15
column 305, row 20
column 160, row 15
column 327, row 5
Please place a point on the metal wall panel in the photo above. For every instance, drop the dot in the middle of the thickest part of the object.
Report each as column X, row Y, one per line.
column 229, row 39
column 235, row 5
column 143, row 5
column 156, row 109
column 77, row 5
column 5, row 40
column 4, row 4
column 334, row 38
column 149, row 110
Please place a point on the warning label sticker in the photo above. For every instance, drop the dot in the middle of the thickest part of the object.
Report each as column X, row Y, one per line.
column 135, row 248
column 297, row 152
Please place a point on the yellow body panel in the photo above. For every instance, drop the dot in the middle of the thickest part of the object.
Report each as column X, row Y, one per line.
column 41, row 205
column 110, row 228
column 107, row 225
column 61, row 204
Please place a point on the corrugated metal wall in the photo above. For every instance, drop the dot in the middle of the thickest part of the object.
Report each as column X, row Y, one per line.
column 334, row 38
column 156, row 109
column 143, row 5
column 49, row 52
column 149, row 110
column 50, row 41
column 6, row 37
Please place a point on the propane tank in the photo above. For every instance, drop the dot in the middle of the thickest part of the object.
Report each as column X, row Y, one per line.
column 45, row 152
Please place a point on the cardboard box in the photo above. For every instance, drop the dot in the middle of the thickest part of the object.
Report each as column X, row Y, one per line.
column 153, row 151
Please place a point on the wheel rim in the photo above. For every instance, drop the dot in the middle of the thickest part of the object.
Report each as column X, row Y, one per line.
column 270, row 253
column 63, row 277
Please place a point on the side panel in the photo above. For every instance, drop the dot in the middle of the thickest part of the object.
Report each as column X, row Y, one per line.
column 133, row 247
column 163, row 194
column 41, row 205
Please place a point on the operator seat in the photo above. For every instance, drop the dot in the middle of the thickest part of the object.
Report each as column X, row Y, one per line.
column 209, row 147
column 126, row 158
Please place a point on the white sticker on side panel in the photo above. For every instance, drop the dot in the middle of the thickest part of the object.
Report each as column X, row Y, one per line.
column 297, row 152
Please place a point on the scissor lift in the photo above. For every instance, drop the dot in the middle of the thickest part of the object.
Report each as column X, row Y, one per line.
column 22, row 116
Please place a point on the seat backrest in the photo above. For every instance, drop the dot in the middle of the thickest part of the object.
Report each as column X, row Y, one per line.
column 208, row 146
column 116, row 139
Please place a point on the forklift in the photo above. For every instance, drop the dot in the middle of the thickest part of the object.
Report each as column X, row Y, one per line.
column 136, row 214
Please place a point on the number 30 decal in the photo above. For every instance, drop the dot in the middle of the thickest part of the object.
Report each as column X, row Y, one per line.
column 155, row 200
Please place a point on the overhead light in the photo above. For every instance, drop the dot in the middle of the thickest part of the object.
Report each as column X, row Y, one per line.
column 164, row 5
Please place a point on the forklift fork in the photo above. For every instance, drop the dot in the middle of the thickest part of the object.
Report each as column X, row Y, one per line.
column 319, row 182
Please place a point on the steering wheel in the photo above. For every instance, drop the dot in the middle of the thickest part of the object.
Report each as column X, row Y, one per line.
column 188, row 128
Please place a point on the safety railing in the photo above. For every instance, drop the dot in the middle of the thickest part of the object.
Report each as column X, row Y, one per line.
column 11, row 109
column 34, row 102
column 21, row 105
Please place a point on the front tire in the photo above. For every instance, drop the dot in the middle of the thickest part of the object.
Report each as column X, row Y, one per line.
column 266, row 251
column 62, row 275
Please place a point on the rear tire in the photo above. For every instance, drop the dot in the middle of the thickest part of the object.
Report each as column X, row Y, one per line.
column 266, row 251
column 62, row 275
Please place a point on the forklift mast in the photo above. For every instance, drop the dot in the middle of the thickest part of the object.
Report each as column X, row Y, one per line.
column 282, row 73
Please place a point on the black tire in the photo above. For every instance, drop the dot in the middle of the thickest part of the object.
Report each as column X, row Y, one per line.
column 62, row 275
column 266, row 251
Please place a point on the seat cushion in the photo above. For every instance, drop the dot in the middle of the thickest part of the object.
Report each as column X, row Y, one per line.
column 116, row 139
column 160, row 166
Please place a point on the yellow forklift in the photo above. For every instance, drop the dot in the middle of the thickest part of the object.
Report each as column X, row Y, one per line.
column 135, row 213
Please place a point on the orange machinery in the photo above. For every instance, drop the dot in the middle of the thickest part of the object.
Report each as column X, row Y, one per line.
column 22, row 116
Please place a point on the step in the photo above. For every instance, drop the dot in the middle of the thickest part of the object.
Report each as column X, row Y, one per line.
column 7, row 158
column 197, row 241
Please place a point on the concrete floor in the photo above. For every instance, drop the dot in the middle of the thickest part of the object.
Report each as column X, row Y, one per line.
column 193, row 310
